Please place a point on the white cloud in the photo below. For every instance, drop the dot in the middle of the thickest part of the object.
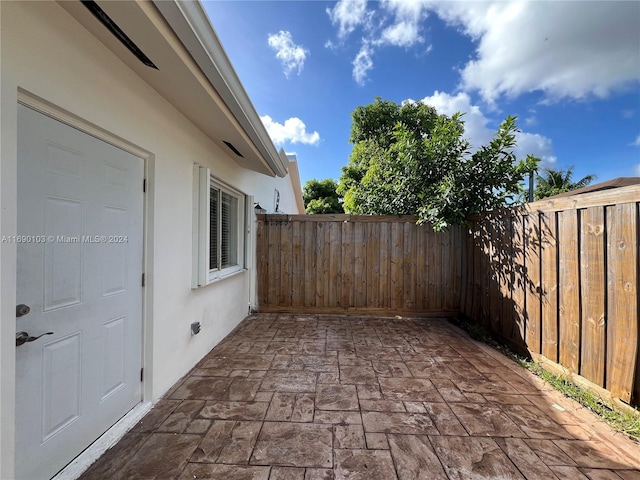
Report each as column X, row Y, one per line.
column 535, row 144
column 638, row 170
column 478, row 133
column 362, row 63
column 407, row 19
column 291, row 56
column 637, row 142
column 475, row 123
column 565, row 49
column 531, row 120
column 568, row 49
column 348, row 14
column 401, row 34
column 292, row 131
column 396, row 23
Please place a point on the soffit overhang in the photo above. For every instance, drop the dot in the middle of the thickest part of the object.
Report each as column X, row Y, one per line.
column 194, row 73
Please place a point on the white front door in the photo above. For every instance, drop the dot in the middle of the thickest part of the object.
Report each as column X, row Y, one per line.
column 80, row 224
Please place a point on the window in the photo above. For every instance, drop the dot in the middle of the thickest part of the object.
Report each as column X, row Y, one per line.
column 219, row 228
column 224, row 223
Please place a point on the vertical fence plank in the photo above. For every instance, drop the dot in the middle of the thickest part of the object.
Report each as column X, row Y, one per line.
column 430, row 280
column 483, row 291
column 409, row 267
column 622, row 291
column 519, row 277
column 360, row 277
column 592, row 279
column 469, row 272
column 263, row 264
column 335, row 264
column 532, row 282
column 458, row 257
column 297, row 265
column 549, row 277
column 347, row 265
column 373, row 264
column 319, row 228
column 435, row 262
column 421, row 269
column 310, row 270
column 385, row 251
column 495, row 269
column 397, row 242
column 446, row 269
column 569, row 295
column 326, row 263
column 285, row 264
column 506, row 277
column 274, row 263
column 635, row 396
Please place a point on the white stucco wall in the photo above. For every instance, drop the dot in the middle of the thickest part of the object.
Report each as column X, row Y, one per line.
column 45, row 52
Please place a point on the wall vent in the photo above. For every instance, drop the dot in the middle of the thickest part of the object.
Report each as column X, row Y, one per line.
column 106, row 20
column 233, row 149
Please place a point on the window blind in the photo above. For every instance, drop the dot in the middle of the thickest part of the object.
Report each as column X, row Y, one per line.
column 213, row 228
column 229, row 241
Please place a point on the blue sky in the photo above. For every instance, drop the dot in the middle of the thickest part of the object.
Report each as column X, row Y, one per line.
column 570, row 72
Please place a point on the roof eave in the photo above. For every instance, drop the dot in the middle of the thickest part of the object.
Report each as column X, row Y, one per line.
column 294, row 177
column 193, row 27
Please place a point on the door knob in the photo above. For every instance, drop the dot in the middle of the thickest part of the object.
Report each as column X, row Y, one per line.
column 22, row 310
column 24, row 337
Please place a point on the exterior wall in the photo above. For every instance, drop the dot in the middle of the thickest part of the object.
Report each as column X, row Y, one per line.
column 46, row 53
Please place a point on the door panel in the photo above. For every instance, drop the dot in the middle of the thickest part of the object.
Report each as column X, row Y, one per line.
column 80, row 213
column 60, row 384
column 115, row 264
column 62, row 260
column 114, row 341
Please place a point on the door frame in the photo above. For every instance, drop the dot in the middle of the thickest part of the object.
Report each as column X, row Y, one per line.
column 112, row 435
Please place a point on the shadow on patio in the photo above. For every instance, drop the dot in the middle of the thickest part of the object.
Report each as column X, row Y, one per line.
column 324, row 397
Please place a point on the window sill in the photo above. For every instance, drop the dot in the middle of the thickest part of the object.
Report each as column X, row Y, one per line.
column 221, row 278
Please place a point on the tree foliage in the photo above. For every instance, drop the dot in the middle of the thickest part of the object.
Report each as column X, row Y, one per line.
column 320, row 196
column 556, row 181
column 409, row 160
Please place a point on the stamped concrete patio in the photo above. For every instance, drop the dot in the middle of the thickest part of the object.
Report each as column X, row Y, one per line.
column 326, row 397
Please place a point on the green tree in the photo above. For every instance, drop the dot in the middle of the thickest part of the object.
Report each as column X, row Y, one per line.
column 321, row 197
column 556, row 181
column 408, row 160
column 372, row 133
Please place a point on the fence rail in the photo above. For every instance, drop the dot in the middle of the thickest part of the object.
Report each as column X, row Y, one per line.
column 557, row 278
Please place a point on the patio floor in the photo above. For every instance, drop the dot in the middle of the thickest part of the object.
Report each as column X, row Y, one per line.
column 304, row 397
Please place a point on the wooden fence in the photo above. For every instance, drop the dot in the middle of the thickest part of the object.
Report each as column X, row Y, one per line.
column 343, row 263
column 558, row 279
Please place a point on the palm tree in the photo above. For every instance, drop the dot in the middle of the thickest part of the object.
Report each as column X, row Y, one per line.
column 555, row 181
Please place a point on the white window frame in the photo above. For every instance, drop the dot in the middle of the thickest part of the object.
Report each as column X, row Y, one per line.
column 202, row 183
